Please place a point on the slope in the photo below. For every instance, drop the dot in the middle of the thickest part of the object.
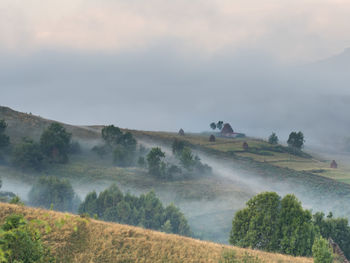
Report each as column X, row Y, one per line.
column 75, row 239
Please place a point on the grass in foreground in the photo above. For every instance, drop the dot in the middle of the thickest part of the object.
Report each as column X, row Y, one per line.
column 76, row 239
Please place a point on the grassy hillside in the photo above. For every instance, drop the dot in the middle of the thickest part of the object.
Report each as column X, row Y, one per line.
column 75, row 239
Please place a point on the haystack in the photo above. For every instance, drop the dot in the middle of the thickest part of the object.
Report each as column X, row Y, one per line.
column 212, row 138
column 181, row 132
column 334, row 164
column 227, row 129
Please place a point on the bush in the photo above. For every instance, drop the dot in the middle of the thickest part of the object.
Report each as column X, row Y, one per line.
column 51, row 192
column 321, row 251
column 21, row 242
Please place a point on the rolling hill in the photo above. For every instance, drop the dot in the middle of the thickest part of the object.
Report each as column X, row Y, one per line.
column 208, row 202
column 75, row 239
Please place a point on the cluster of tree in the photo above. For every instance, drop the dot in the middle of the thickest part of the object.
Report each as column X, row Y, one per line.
column 20, row 242
column 187, row 165
column 53, row 193
column 295, row 140
column 4, row 140
column 146, row 211
column 277, row 224
column 122, row 146
column 217, row 125
column 53, row 147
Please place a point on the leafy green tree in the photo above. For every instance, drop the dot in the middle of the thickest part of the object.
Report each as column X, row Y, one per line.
column 55, row 143
column 51, row 191
column 296, row 140
column 297, row 233
column 272, row 224
column 28, row 155
column 321, row 251
column 213, row 125
column 154, row 161
column 111, row 134
column 177, row 146
column 21, row 243
column 273, row 139
column 123, row 157
column 220, row 125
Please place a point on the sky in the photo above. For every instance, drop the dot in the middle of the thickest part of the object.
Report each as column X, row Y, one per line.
column 263, row 66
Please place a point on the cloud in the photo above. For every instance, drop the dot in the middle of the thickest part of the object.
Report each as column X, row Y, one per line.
column 289, row 30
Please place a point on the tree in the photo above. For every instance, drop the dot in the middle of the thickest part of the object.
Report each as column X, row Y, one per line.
column 213, row 125
column 274, row 224
column 177, row 146
column 154, row 161
column 219, row 125
column 321, row 251
column 337, row 229
column 187, row 158
column 111, row 134
column 296, row 140
column 28, row 155
column 55, row 143
column 273, row 139
column 122, row 156
column 51, row 191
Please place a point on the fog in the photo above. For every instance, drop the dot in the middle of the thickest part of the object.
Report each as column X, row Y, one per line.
column 163, row 89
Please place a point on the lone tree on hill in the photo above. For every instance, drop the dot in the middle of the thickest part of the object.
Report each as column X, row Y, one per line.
column 273, row 139
column 111, row 135
column 213, row 125
column 55, row 143
column 296, row 140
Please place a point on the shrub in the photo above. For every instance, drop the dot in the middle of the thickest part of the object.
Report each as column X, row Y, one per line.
column 321, row 251
column 21, row 242
column 28, row 155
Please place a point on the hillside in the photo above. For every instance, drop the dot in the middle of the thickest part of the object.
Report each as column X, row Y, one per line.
column 208, row 202
column 75, row 239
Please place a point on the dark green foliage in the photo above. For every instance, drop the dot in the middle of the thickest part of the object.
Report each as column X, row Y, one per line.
column 177, row 146
column 213, row 125
column 74, row 147
column 154, row 161
column 337, row 229
column 296, row 140
column 269, row 223
column 111, row 134
column 28, row 155
column 55, row 143
column 122, row 146
column 321, row 251
column 219, row 125
column 273, row 139
column 21, row 242
column 146, row 211
column 51, row 191
column 141, row 161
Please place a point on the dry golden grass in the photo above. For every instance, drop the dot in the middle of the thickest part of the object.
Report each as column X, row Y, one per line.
column 74, row 239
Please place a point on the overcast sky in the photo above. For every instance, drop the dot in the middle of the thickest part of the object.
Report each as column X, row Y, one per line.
column 162, row 65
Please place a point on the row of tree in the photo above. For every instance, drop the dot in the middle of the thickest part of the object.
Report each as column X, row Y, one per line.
column 146, row 210
column 295, row 140
column 277, row 224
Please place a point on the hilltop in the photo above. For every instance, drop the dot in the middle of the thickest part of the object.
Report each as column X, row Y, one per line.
column 75, row 239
